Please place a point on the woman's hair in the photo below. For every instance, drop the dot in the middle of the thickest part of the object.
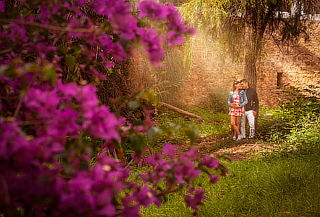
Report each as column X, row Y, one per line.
column 234, row 84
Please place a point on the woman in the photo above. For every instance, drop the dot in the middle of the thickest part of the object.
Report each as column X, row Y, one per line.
column 236, row 101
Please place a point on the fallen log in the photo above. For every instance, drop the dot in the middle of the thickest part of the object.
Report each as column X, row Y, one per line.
column 176, row 109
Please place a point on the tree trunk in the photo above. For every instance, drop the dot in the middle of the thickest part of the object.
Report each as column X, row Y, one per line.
column 250, row 68
column 254, row 46
column 251, row 57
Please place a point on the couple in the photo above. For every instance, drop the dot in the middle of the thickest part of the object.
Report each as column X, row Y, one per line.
column 243, row 104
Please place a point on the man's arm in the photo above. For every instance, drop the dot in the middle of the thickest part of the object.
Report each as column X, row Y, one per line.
column 245, row 99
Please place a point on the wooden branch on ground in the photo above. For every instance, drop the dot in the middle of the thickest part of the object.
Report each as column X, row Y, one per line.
column 181, row 111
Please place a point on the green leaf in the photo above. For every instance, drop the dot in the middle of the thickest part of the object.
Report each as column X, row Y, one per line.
column 71, row 61
column 77, row 51
column 138, row 142
column 193, row 134
column 150, row 96
column 49, row 74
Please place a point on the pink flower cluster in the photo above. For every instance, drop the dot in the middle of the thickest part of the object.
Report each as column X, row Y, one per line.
column 158, row 11
column 30, row 181
column 177, row 169
column 73, row 23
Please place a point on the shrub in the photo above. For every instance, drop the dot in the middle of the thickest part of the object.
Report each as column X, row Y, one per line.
column 298, row 122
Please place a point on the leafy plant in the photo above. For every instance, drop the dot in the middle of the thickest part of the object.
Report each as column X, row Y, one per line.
column 297, row 122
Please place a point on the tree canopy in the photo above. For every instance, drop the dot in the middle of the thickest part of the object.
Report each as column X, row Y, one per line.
column 251, row 19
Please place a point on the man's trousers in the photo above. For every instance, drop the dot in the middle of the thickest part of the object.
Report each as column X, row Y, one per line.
column 251, row 119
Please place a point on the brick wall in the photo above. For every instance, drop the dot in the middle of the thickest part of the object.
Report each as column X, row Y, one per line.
column 282, row 66
column 211, row 72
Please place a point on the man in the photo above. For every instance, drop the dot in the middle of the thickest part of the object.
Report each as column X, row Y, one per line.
column 251, row 110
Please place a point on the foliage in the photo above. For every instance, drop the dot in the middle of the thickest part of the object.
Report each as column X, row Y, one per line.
column 218, row 100
column 266, row 186
column 301, row 105
column 234, row 22
column 274, row 185
column 213, row 124
column 216, row 18
column 221, row 15
column 169, row 78
column 305, row 132
column 298, row 122
column 291, row 128
column 50, row 115
column 278, row 185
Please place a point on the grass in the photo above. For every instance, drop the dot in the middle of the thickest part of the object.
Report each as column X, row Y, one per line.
column 213, row 124
column 281, row 185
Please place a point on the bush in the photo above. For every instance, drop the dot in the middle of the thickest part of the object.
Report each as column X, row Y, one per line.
column 305, row 131
column 298, row 122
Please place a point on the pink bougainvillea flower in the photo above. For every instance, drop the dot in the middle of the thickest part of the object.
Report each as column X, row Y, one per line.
column 153, row 10
column 2, row 6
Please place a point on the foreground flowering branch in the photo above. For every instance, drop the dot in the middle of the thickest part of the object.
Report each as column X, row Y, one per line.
column 178, row 170
column 44, row 26
column 47, row 167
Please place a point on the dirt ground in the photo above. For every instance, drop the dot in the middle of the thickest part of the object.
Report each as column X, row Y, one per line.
column 235, row 151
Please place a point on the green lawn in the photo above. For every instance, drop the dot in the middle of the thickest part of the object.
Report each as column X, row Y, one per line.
column 279, row 184
column 213, row 124
column 282, row 185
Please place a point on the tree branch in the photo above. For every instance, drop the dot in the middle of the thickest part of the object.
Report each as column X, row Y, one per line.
column 47, row 26
column 181, row 111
